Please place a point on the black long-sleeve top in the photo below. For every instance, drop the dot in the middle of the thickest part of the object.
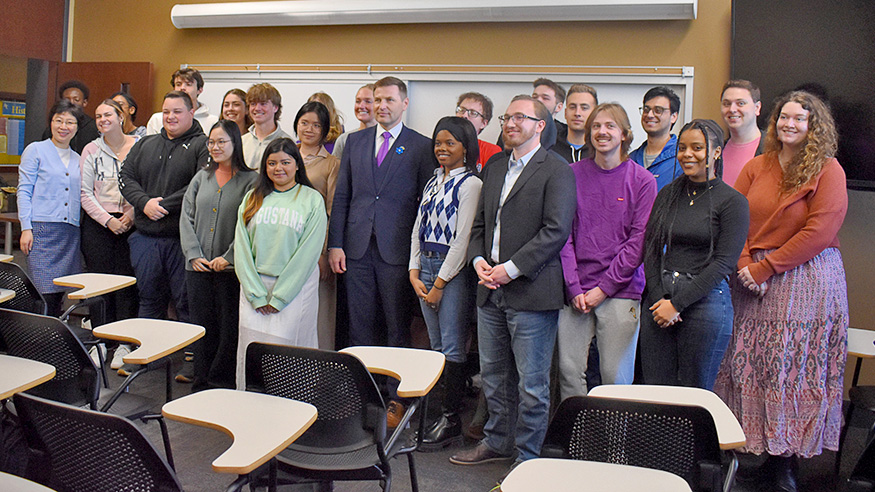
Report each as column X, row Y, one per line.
column 690, row 239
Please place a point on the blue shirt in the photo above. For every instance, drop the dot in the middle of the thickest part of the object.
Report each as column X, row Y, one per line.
column 665, row 167
column 48, row 191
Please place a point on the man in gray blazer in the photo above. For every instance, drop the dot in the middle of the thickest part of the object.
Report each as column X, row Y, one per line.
column 523, row 219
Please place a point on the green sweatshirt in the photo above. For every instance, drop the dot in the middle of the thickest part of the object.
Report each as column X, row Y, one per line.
column 284, row 239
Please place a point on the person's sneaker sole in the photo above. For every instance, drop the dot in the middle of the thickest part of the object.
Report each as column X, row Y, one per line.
column 496, row 459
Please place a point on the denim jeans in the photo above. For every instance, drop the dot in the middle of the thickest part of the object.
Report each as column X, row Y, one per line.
column 516, row 350
column 448, row 325
column 689, row 352
column 159, row 266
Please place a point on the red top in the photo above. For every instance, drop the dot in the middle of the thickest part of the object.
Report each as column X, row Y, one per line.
column 797, row 227
column 487, row 150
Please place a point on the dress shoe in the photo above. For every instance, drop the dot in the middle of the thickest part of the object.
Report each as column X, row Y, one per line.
column 785, row 473
column 394, row 414
column 442, row 432
column 477, row 455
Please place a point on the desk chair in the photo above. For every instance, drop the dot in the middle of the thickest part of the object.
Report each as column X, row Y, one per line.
column 860, row 345
column 46, row 339
column 347, row 440
column 88, row 450
column 863, row 477
column 678, row 439
column 29, row 300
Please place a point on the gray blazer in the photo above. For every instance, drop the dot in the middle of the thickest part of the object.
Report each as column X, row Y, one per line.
column 535, row 224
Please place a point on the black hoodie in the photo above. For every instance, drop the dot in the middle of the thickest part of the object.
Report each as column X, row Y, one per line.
column 160, row 166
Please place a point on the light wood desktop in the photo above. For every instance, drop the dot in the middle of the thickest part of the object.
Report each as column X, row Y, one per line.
column 558, row 475
column 729, row 432
column 6, row 258
column 6, row 294
column 156, row 338
column 17, row 374
column 94, row 284
column 261, row 425
column 417, row 370
column 861, row 346
column 12, row 483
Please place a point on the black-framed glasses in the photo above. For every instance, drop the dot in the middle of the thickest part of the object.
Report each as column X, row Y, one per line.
column 472, row 113
column 517, row 118
column 657, row 110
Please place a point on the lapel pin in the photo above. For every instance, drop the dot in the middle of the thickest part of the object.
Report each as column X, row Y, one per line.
column 399, row 150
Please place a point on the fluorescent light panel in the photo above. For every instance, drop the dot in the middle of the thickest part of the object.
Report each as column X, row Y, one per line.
column 350, row 12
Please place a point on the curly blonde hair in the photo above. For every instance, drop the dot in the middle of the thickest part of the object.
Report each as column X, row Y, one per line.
column 820, row 143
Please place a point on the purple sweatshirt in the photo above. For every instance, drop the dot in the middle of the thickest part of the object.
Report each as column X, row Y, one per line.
column 606, row 244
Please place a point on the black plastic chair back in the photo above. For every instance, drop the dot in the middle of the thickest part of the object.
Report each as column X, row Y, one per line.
column 675, row 438
column 863, row 477
column 49, row 340
column 27, row 298
column 90, row 451
column 351, row 413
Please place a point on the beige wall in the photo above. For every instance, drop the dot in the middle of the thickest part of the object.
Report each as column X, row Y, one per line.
column 148, row 35
column 13, row 74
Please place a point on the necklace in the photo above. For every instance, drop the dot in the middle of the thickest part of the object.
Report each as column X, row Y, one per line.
column 694, row 195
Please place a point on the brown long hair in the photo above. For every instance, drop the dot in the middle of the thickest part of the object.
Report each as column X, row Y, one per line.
column 820, row 143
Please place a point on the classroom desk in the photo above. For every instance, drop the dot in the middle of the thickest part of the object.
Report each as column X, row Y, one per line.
column 6, row 258
column 94, row 284
column 417, row 370
column 17, row 374
column 9, row 218
column 6, row 294
column 261, row 425
column 558, row 475
column 156, row 339
column 12, row 483
column 729, row 432
column 861, row 346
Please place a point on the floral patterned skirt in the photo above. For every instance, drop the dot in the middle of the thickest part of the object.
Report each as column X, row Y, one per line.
column 783, row 373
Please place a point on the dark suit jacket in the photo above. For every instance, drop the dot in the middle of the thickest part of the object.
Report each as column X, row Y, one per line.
column 386, row 209
column 535, row 224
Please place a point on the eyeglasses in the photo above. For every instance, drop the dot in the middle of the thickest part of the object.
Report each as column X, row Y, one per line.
column 216, row 143
column 517, row 118
column 657, row 110
column 305, row 124
column 474, row 114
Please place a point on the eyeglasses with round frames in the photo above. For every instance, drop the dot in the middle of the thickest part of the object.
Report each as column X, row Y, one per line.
column 216, row 143
column 472, row 113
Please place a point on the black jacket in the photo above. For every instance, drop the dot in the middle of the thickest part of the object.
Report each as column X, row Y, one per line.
column 159, row 166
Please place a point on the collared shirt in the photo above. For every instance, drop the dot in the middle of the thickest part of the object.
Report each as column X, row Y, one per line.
column 253, row 148
column 378, row 140
column 514, row 170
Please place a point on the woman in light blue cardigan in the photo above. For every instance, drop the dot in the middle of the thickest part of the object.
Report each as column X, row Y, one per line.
column 48, row 205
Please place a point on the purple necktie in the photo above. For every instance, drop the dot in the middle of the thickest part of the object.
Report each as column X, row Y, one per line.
column 384, row 149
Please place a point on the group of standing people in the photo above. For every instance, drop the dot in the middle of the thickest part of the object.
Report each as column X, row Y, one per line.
column 742, row 286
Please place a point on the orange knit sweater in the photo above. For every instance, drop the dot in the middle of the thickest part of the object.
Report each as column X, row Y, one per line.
column 797, row 227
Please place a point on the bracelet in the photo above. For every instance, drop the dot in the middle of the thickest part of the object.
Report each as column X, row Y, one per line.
column 438, row 288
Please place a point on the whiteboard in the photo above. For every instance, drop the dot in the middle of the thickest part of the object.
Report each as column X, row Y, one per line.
column 433, row 93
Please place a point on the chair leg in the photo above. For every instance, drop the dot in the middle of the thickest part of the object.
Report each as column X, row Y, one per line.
column 414, row 483
column 842, row 435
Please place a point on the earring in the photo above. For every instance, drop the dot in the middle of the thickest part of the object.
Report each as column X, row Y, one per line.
column 465, row 160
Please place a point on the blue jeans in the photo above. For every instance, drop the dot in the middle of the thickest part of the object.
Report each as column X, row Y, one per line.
column 159, row 266
column 689, row 352
column 448, row 325
column 516, row 350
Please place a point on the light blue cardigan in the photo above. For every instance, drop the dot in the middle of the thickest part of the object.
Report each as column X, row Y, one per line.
column 48, row 191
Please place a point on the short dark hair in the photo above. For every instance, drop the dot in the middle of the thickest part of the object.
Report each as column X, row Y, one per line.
column 743, row 84
column 557, row 89
column 462, row 130
column 187, row 74
column 674, row 102
column 483, row 100
column 233, row 131
column 131, row 102
column 321, row 112
column 387, row 81
column 541, row 111
column 65, row 106
column 180, row 95
column 74, row 84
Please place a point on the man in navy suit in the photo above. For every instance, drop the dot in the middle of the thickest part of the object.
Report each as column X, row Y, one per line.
column 382, row 174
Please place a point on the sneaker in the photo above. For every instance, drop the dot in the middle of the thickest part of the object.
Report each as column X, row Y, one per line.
column 93, row 353
column 118, row 356
column 186, row 374
column 394, row 414
column 477, row 455
column 126, row 369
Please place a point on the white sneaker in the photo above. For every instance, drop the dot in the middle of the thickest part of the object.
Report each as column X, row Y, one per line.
column 120, row 352
column 93, row 353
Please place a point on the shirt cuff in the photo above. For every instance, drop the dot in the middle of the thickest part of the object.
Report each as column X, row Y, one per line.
column 512, row 271
column 477, row 260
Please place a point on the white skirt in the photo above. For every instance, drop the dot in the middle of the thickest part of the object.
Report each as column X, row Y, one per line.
column 294, row 325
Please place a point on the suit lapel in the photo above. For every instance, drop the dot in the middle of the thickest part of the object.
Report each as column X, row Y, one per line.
column 531, row 168
column 393, row 159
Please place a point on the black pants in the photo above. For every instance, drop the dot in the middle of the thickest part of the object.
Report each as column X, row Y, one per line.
column 213, row 300
column 106, row 252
